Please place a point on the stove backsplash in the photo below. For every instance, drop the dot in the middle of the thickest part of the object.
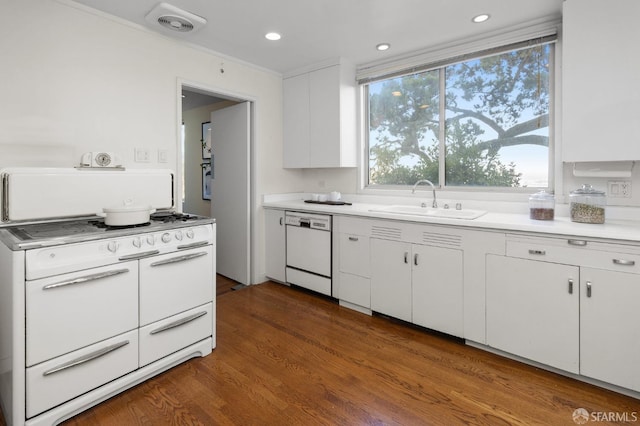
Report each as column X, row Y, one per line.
column 33, row 193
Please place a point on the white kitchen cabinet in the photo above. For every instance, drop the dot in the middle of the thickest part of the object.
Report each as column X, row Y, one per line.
column 600, row 81
column 437, row 286
column 354, row 283
column 533, row 310
column 275, row 243
column 609, row 327
column 391, row 278
column 320, row 118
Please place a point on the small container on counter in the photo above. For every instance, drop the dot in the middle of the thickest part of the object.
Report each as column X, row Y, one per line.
column 587, row 205
column 542, row 206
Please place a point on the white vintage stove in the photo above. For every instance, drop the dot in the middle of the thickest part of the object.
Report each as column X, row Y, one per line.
column 87, row 310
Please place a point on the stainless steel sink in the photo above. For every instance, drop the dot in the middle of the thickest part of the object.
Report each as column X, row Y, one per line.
column 467, row 214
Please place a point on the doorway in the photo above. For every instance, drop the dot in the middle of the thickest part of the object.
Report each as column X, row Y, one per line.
column 199, row 107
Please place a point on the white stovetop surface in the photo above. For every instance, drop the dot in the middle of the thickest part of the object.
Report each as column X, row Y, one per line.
column 499, row 216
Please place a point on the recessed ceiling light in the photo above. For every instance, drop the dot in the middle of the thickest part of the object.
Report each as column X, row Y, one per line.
column 383, row 46
column 480, row 18
column 272, row 36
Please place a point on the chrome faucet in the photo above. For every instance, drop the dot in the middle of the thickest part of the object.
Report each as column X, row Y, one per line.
column 433, row 188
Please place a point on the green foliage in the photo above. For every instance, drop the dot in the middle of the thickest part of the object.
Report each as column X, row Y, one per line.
column 506, row 95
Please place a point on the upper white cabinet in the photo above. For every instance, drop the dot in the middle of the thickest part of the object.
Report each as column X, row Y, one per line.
column 320, row 118
column 600, row 81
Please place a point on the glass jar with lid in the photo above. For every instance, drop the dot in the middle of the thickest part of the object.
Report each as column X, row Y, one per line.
column 587, row 205
column 542, row 206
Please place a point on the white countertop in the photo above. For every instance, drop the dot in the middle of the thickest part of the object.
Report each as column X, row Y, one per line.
column 620, row 230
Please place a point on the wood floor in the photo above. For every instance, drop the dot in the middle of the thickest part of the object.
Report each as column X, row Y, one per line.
column 286, row 357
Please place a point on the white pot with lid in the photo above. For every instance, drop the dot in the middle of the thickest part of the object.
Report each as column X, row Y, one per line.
column 127, row 214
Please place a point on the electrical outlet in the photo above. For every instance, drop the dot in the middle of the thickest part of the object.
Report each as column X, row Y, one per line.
column 142, row 155
column 619, row 189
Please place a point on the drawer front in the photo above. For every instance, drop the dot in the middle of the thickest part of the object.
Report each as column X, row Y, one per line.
column 61, row 379
column 175, row 282
column 172, row 334
column 354, row 255
column 355, row 289
column 70, row 311
column 587, row 255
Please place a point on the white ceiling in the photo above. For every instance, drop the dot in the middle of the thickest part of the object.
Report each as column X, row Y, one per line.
column 316, row 31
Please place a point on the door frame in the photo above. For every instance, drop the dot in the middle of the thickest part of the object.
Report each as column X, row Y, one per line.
column 223, row 93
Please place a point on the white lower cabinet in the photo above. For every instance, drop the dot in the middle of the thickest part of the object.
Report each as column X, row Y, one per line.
column 569, row 304
column 437, row 289
column 610, row 327
column 391, row 278
column 533, row 310
column 275, row 243
column 354, row 282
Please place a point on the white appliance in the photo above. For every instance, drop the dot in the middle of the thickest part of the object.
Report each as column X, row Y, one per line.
column 308, row 239
column 88, row 310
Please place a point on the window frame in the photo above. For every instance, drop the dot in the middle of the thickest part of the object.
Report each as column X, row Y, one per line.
column 472, row 192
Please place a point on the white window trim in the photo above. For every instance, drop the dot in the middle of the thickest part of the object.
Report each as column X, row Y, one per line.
column 541, row 28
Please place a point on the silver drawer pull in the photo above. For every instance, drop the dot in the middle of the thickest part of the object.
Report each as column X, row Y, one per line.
column 353, row 238
column 624, row 262
column 193, row 245
column 537, row 252
column 139, row 255
column 415, row 259
column 86, row 278
column 179, row 322
column 86, row 358
column 577, row 242
column 588, row 288
column 178, row 259
column 570, row 286
column 406, row 257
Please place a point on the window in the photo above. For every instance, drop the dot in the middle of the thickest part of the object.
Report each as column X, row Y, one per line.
column 479, row 122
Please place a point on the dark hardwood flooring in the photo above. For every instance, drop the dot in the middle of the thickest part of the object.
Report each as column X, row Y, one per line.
column 287, row 357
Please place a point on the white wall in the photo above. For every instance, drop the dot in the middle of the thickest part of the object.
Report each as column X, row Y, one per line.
column 73, row 80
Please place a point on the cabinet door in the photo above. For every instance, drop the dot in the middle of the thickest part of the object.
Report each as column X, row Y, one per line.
column 391, row 278
column 354, row 254
column 275, row 254
column 597, row 39
column 610, row 327
column 437, row 289
column 296, row 121
column 533, row 310
column 324, row 112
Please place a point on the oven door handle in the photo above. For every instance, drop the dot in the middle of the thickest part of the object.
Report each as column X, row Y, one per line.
column 179, row 259
column 179, row 322
column 139, row 255
column 86, row 278
column 193, row 245
column 86, row 358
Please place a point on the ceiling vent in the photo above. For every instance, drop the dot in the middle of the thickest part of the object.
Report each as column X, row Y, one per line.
column 173, row 19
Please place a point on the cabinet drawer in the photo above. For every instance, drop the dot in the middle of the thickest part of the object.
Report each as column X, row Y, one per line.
column 595, row 255
column 354, row 255
column 70, row 311
column 63, row 378
column 172, row 334
column 174, row 283
column 355, row 289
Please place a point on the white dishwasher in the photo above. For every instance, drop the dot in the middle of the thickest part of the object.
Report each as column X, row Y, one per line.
column 309, row 251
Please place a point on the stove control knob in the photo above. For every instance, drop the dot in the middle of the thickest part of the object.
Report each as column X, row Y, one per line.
column 112, row 246
column 189, row 233
column 137, row 242
column 151, row 240
column 166, row 237
column 179, row 235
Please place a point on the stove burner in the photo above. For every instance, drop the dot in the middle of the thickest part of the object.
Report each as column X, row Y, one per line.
column 168, row 217
column 100, row 224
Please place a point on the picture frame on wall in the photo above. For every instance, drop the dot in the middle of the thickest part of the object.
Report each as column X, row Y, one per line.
column 207, row 177
column 205, row 140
